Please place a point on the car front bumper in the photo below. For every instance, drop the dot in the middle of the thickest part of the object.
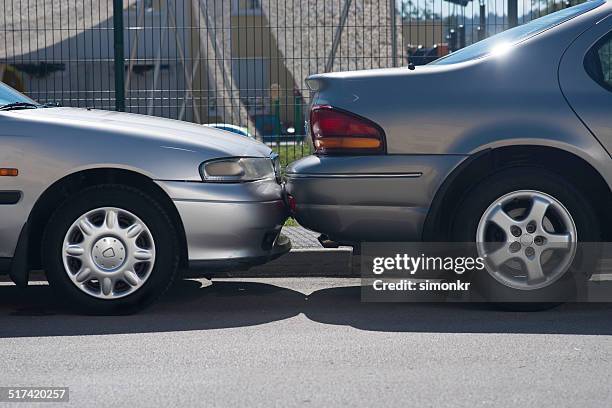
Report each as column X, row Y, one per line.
column 230, row 226
column 367, row 198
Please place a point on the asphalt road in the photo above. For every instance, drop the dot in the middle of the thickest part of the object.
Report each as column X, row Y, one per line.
column 307, row 342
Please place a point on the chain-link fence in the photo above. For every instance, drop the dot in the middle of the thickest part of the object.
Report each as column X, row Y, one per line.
column 237, row 64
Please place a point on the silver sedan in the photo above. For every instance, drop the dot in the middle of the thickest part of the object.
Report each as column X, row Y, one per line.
column 112, row 205
column 505, row 141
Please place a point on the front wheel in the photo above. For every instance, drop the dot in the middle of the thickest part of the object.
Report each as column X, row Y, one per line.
column 526, row 224
column 110, row 249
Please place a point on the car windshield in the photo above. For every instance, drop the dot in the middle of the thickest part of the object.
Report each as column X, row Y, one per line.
column 8, row 95
column 517, row 34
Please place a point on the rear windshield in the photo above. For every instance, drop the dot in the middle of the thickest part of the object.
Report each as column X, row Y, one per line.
column 517, row 34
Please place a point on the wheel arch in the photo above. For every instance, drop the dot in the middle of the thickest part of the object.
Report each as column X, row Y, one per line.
column 59, row 191
column 486, row 162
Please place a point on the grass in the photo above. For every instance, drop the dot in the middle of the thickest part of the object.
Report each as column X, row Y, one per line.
column 291, row 223
column 291, row 153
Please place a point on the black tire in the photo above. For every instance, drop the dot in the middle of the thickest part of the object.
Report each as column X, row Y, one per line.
column 138, row 203
column 568, row 286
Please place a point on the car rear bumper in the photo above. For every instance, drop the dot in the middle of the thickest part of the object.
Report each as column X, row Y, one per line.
column 230, row 225
column 367, row 198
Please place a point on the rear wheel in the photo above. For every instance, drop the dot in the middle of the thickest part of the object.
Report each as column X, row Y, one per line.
column 110, row 249
column 526, row 223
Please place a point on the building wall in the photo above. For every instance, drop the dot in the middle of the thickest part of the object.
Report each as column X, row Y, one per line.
column 253, row 48
column 426, row 33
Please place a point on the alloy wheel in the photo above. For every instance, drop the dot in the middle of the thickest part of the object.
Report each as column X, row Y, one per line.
column 527, row 238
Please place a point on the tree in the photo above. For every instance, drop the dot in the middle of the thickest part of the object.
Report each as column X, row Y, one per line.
column 411, row 11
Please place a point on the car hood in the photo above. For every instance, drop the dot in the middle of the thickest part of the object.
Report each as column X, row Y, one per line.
column 164, row 132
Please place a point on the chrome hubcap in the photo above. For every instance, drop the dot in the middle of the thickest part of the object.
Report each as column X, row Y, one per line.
column 108, row 253
column 527, row 238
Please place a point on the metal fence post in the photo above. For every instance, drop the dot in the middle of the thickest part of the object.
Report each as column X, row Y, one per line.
column 393, row 32
column 119, row 56
column 512, row 13
column 298, row 115
column 482, row 25
column 277, row 122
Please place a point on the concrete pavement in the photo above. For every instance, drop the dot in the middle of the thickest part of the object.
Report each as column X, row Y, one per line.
column 306, row 342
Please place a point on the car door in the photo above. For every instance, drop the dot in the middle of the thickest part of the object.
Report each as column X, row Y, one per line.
column 585, row 76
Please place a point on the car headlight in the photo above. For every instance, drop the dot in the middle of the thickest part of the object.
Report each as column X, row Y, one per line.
column 237, row 169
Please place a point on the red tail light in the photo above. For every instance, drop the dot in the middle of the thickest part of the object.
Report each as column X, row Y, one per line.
column 292, row 203
column 335, row 131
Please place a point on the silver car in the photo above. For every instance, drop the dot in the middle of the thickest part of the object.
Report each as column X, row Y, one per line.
column 507, row 140
column 112, row 204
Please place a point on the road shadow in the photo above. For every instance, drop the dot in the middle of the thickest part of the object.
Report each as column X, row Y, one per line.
column 191, row 305
column 343, row 306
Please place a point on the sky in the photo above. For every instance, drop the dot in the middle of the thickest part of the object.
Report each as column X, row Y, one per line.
column 444, row 8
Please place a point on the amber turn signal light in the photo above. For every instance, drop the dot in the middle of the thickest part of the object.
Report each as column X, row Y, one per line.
column 347, row 143
column 4, row 172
